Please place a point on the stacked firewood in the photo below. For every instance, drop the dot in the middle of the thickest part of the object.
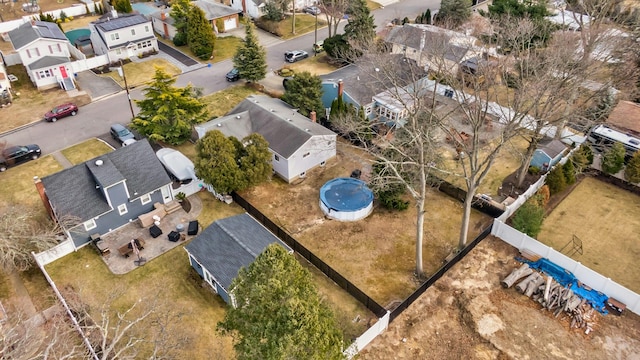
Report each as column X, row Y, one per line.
column 552, row 296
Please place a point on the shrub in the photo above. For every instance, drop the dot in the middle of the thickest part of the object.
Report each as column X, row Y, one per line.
column 582, row 158
column 528, row 219
column 632, row 171
column 556, row 180
column 569, row 173
column 180, row 39
column 392, row 199
column 286, row 72
column 543, row 196
column 220, row 25
column 534, row 170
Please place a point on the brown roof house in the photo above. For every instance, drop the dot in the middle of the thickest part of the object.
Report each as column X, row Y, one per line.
column 626, row 117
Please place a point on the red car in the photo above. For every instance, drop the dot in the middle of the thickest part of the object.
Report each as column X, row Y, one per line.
column 61, row 111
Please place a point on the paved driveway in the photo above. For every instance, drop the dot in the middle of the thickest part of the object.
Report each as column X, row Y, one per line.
column 178, row 55
column 97, row 86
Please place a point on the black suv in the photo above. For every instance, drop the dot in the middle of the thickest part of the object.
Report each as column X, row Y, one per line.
column 233, row 75
column 14, row 155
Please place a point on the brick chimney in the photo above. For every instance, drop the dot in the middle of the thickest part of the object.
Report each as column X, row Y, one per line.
column 312, row 116
column 163, row 16
column 44, row 197
column 340, row 87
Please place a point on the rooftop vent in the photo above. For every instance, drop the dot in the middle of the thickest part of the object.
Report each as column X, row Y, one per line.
column 307, row 130
column 218, row 125
column 99, row 162
column 289, row 120
column 238, row 116
column 272, row 110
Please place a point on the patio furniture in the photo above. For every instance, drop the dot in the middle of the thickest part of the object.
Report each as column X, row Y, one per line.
column 155, row 231
column 174, row 236
column 193, row 227
column 180, row 227
column 148, row 218
column 126, row 249
column 101, row 246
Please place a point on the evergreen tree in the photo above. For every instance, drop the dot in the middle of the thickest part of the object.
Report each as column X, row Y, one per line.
column 556, row 180
column 360, row 29
column 123, row 6
column 454, row 12
column 180, row 15
column 632, row 171
column 279, row 313
column 168, row 113
column 336, row 46
column 255, row 160
column 304, row 92
column 216, row 163
column 250, row 58
column 613, row 159
column 528, row 219
column 200, row 36
column 569, row 172
column 582, row 158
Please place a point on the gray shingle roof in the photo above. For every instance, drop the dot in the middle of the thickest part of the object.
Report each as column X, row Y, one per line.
column 285, row 129
column 552, row 147
column 47, row 61
column 121, row 22
column 214, row 10
column 73, row 191
column 167, row 19
column 27, row 33
column 229, row 244
column 427, row 38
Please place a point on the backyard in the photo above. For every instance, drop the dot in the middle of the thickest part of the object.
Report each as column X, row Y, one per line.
column 605, row 218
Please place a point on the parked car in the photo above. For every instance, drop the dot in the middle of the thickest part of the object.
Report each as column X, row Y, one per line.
column 318, row 47
column 233, row 75
column 14, row 155
column 295, row 55
column 121, row 134
column 311, row 10
column 61, row 111
column 178, row 166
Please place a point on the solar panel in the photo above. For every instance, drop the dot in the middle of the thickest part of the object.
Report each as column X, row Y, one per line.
column 121, row 22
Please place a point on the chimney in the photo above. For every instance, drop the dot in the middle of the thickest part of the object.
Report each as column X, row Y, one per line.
column 340, row 87
column 114, row 13
column 44, row 197
column 312, row 116
column 163, row 16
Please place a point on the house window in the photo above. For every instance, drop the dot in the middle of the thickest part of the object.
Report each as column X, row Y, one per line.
column 305, row 155
column 90, row 224
column 44, row 74
column 146, row 28
column 59, row 48
column 115, row 36
column 122, row 209
column 133, row 32
column 145, row 199
column 276, row 157
column 118, row 51
column 28, row 54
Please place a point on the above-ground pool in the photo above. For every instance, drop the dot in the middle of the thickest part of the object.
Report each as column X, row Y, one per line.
column 346, row 199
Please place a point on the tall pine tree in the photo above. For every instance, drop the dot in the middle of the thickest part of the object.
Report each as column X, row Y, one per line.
column 360, row 30
column 200, row 36
column 250, row 59
column 304, row 92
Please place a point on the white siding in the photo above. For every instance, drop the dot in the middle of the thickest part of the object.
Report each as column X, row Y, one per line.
column 318, row 149
column 41, row 48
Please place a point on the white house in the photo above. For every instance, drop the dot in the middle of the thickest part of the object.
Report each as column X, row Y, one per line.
column 44, row 51
column 122, row 36
column 253, row 8
column 298, row 144
column 164, row 24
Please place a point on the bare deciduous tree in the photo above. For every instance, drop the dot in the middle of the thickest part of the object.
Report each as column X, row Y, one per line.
column 334, row 11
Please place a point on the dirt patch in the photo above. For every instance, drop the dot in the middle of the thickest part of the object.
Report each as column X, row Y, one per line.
column 468, row 315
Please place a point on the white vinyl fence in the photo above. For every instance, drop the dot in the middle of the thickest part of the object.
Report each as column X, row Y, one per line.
column 90, row 63
column 76, row 10
column 587, row 276
column 368, row 336
column 55, row 253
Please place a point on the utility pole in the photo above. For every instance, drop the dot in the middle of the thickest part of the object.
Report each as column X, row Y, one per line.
column 293, row 19
column 126, row 87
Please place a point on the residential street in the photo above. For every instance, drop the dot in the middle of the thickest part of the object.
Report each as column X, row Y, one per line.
column 94, row 120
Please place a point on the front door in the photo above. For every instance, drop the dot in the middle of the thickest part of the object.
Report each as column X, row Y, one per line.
column 166, row 194
column 63, row 72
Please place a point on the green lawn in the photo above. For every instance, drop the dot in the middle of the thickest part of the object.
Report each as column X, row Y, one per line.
column 225, row 48
column 87, row 150
column 140, row 73
column 17, row 182
column 305, row 23
column 219, row 103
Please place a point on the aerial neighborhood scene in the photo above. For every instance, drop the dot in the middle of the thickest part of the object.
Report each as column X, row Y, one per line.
column 320, row 179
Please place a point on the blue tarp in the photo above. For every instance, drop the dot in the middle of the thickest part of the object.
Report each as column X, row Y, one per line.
column 565, row 278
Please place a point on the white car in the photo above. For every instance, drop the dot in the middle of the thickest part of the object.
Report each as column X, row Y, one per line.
column 179, row 167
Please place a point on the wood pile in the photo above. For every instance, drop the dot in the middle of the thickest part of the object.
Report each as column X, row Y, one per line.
column 552, row 296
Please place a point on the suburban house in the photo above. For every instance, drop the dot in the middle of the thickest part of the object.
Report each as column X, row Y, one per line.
column 122, row 36
column 215, row 13
column 5, row 86
column 625, row 117
column 44, row 51
column 222, row 249
column 298, row 144
column 253, row 8
column 107, row 192
column 361, row 85
column 435, row 48
column 548, row 153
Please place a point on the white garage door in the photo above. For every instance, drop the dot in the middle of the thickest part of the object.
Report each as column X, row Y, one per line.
column 229, row 24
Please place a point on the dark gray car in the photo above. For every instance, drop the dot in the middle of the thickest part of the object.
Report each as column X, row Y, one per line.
column 121, row 134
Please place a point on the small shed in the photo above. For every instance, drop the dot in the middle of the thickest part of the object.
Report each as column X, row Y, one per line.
column 226, row 246
column 548, row 153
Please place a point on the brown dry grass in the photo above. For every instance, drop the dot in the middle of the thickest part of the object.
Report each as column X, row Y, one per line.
column 606, row 219
column 377, row 254
column 13, row 10
column 316, row 65
column 31, row 105
column 142, row 72
column 79, row 22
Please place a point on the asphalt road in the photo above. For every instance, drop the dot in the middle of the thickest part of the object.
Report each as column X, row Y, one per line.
column 95, row 119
